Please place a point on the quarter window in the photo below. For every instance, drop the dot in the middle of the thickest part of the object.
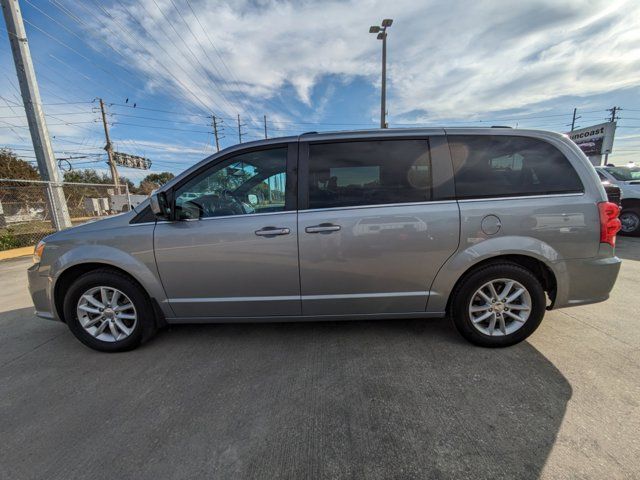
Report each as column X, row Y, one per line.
column 252, row 182
column 369, row 173
column 495, row 166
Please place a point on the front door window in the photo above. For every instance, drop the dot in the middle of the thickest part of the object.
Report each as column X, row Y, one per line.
column 252, row 182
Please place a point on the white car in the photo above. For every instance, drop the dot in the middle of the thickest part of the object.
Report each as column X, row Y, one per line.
column 628, row 180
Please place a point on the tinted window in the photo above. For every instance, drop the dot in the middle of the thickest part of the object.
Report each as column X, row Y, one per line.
column 624, row 173
column 252, row 182
column 369, row 173
column 494, row 166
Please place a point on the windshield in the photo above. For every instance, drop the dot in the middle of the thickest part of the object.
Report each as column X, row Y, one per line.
column 624, row 173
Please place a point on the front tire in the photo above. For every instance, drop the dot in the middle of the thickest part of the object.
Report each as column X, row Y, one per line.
column 498, row 305
column 108, row 311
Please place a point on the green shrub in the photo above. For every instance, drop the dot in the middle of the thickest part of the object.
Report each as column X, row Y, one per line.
column 8, row 240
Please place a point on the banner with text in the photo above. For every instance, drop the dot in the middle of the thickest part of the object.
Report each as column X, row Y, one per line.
column 595, row 140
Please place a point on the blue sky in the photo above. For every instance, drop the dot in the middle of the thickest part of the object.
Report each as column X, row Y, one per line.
column 313, row 66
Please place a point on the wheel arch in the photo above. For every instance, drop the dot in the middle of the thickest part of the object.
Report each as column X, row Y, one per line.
column 84, row 258
column 530, row 253
column 630, row 203
column 538, row 268
column 68, row 276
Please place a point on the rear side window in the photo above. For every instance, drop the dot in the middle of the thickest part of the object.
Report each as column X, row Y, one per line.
column 369, row 173
column 498, row 166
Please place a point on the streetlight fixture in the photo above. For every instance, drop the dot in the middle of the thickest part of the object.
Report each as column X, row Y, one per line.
column 382, row 35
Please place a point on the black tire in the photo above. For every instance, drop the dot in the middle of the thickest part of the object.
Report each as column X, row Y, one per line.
column 632, row 211
column 145, row 327
column 467, row 288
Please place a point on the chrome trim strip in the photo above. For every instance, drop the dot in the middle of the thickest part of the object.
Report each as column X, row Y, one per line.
column 284, row 298
column 357, row 207
column 522, row 197
column 213, row 218
column 364, row 295
column 304, row 318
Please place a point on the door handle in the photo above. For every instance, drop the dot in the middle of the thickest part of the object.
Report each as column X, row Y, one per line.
column 323, row 228
column 272, row 231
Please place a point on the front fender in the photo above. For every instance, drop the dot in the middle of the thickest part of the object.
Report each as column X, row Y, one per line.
column 464, row 260
column 140, row 265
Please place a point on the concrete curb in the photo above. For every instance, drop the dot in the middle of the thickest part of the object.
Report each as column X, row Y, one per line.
column 16, row 253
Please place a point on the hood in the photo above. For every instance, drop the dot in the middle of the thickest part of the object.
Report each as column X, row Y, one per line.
column 112, row 221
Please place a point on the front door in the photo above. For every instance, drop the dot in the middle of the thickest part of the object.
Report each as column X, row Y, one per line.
column 232, row 248
column 375, row 224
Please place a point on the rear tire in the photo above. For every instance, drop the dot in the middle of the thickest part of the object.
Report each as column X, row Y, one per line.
column 630, row 219
column 108, row 311
column 498, row 305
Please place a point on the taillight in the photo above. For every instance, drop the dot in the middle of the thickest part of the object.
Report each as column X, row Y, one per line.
column 609, row 222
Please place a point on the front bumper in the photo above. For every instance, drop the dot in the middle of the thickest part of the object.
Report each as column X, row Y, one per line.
column 586, row 281
column 40, row 288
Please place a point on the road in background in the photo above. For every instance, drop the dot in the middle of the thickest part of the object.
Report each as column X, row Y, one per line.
column 383, row 399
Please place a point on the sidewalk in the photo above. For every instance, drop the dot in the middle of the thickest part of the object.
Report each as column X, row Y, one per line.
column 16, row 252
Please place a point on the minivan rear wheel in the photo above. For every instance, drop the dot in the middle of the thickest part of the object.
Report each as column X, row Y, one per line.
column 498, row 305
column 108, row 311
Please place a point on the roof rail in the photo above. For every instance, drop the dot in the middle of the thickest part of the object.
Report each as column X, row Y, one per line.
column 500, row 126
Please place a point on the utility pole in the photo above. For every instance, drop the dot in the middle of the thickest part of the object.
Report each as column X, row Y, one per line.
column 214, row 124
column 265, row 127
column 573, row 122
column 613, row 111
column 613, row 118
column 115, row 178
column 382, row 35
column 35, row 115
column 240, row 125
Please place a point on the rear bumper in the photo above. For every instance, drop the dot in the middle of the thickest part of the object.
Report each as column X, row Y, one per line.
column 585, row 281
column 41, row 293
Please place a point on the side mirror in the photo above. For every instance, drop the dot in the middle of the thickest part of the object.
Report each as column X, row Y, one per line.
column 253, row 199
column 159, row 204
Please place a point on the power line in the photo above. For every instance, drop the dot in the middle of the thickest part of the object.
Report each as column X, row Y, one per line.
column 160, row 128
column 155, row 119
column 214, row 81
column 197, row 98
column 104, row 26
column 211, row 62
column 72, row 32
column 79, row 54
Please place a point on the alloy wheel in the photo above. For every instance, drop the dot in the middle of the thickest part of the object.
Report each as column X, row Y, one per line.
column 630, row 222
column 107, row 314
column 500, row 307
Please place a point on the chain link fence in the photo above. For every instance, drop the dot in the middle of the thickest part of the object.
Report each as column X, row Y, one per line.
column 25, row 217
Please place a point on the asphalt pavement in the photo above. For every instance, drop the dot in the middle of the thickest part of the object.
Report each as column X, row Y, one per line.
column 371, row 400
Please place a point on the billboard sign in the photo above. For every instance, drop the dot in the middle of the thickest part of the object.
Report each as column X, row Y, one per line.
column 131, row 161
column 594, row 140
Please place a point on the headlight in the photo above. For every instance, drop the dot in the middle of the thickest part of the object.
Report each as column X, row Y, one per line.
column 37, row 253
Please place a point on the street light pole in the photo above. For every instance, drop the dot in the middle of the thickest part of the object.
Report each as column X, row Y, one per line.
column 382, row 35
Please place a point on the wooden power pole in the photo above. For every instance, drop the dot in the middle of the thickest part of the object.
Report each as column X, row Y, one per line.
column 214, row 124
column 115, row 178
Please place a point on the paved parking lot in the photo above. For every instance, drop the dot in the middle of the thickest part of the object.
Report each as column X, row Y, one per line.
column 387, row 399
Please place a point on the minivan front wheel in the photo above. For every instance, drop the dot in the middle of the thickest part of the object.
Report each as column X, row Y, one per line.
column 108, row 311
column 498, row 305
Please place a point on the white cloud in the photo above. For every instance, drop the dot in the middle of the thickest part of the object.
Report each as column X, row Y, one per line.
column 445, row 60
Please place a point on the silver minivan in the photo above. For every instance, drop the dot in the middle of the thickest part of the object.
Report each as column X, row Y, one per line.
column 490, row 227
